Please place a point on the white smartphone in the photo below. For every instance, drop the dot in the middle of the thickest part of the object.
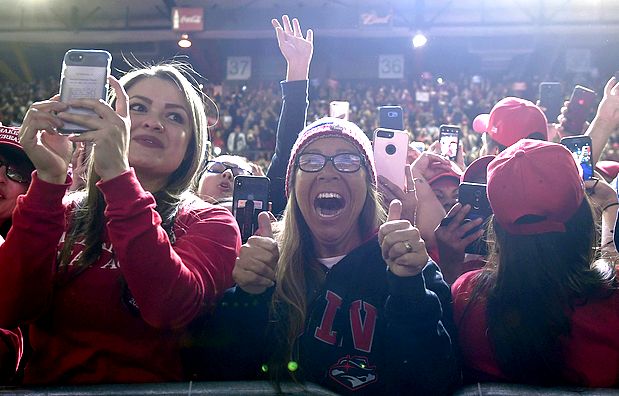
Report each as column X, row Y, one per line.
column 84, row 76
column 390, row 151
column 339, row 109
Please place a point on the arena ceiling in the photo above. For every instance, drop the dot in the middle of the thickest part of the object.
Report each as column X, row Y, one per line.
column 149, row 20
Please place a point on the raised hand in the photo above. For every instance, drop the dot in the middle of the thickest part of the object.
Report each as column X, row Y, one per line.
column 49, row 152
column 608, row 109
column 402, row 247
column 109, row 133
column 430, row 164
column 255, row 267
column 296, row 49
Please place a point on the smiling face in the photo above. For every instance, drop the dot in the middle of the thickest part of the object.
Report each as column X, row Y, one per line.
column 331, row 201
column 160, row 128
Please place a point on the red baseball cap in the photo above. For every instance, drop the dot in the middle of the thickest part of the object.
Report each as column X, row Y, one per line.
column 537, row 178
column 476, row 171
column 9, row 136
column 512, row 119
column 454, row 172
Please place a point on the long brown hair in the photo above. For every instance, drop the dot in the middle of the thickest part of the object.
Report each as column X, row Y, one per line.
column 531, row 284
column 87, row 222
column 298, row 269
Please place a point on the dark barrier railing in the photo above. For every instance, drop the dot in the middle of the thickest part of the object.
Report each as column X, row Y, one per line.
column 250, row 388
column 258, row 388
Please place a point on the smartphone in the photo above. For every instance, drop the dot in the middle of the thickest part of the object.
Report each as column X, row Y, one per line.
column 250, row 196
column 390, row 151
column 581, row 103
column 449, row 135
column 475, row 195
column 339, row 109
column 391, row 117
column 580, row 147
column 551, row 99
column 84, row 76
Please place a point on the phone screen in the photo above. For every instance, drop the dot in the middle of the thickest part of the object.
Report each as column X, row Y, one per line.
column 450, row 138
column 84, row 76
column 580, row 147
column 83, row 82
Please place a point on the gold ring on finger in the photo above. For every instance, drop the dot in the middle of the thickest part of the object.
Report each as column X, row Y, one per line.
column 408, row 246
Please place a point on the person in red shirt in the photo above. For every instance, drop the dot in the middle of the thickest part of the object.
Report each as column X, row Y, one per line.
column 107, row 278
column 15, row 178
column 14, row 181
column 542, row 311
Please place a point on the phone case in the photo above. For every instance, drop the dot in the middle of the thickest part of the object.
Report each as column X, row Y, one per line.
column 84, row 75
column 581, row 149
column 449, row 136
column 475, row 195
column 551, row 99
column 581, row 103
column 250, row 196
column 390, row 151
column 339, row 109
column 391, row 117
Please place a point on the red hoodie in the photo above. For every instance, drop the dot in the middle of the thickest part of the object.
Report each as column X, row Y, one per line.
column 120, row 319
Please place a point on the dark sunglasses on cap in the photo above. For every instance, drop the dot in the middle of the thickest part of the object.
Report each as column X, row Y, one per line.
column 221, row 167
column 15, row 173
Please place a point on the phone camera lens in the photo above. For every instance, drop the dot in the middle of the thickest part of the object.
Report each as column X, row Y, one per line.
column 76, row 57
column 390, row 149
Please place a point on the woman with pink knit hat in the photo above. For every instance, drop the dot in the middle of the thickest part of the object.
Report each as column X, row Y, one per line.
column 542, row 311
column 347, row 300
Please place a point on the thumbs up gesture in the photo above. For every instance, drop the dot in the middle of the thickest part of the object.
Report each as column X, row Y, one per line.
column 403, row 249
column 254, row 270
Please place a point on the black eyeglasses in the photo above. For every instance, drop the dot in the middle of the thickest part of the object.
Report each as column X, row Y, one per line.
column 343, row 162
column 221, row 167
column 14, row 173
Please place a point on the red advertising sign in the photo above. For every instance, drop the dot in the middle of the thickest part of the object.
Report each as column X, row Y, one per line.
column 185, row 19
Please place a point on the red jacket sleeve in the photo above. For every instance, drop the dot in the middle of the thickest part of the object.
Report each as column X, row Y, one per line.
column 28, row 255
column 171, row 284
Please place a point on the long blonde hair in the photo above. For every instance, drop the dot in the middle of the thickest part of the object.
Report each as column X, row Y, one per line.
column 297, row 268
column 88, row 221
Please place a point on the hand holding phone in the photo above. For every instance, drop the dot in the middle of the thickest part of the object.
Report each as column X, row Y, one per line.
column 390, row 152
column 84, row 76
column 250, row 197
column 391, row 117
column 580, row 147
column 449, row 137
